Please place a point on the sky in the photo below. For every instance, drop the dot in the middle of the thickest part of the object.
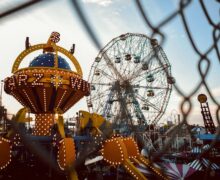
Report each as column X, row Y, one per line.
column 109, row 19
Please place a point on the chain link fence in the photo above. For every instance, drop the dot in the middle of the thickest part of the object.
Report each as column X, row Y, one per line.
column 157, row 31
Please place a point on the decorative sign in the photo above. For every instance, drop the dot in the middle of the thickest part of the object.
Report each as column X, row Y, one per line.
column 56, row 80
column 22, row 79
column 55, row 37
column 38, row 79
column 46, row 88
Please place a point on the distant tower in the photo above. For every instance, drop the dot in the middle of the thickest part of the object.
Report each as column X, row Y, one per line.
column 1, row 93
column 208, row 121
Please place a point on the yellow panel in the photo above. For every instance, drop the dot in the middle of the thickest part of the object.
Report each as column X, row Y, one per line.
column 20, row 116
column 97, row 120
column 73, row 175
column 66, row 153
column 84, row 118
column 60, row 123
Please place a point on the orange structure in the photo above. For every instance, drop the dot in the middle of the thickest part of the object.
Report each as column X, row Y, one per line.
column 5, row 155
column 124, row 151
column 66, row 154
column 48, row 87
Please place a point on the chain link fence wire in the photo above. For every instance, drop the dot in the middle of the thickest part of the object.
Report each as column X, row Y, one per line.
column 186, row 104
column 17, row 6
column 157, row 31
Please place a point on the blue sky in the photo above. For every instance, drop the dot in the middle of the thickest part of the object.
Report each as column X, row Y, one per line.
column 110, row 18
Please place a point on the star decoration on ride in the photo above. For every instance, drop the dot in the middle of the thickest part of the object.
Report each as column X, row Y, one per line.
column 56, row 80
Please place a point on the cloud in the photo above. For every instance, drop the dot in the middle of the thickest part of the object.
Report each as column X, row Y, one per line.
column 99, row 2
column 216, row 92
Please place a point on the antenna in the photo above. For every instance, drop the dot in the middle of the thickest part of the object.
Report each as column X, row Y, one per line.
column 72, row 50
column 27, row 43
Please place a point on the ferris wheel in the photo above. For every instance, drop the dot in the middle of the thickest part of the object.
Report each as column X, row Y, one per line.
column 131, row 81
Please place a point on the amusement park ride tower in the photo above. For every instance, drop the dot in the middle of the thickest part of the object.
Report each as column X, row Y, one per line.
column 206, row 114
column 48, row 86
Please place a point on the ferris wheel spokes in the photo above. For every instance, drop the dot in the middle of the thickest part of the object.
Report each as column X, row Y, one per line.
column 111, row 66
column 134, row 74
column 148, row 102
column 150, row 87
column 143, row 75
column 142, row 68
column 98, row 95
column 99, row 71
